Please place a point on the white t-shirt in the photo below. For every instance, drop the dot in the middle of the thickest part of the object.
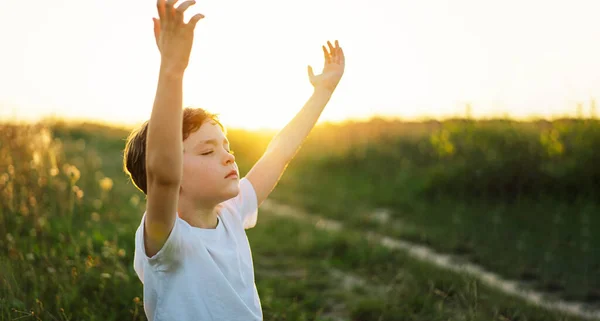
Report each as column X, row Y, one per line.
column 203, row 274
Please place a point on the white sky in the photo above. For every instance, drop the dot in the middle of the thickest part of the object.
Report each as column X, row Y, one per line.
column 97, row 59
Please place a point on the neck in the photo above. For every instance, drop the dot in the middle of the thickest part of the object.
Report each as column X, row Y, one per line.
column 199, row 216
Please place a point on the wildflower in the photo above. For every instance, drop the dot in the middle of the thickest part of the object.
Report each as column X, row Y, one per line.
column 42, row 181
column 24, row 210
column 121, row 275
column 134, row 200
column 121, row 253
column 78, row 192
column 89, row 262
column 32, row 201
column 41, row 221
column 46, row 136
column 37, row 158
column 106, row 184
column 4, row 178
column 72, row 172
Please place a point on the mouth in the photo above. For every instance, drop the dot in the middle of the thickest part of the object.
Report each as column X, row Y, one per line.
column 232, row 174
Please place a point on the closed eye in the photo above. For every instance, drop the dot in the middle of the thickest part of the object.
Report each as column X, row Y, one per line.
column 210, row 152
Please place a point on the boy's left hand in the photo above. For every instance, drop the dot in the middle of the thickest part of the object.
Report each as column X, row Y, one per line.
column 332, row 70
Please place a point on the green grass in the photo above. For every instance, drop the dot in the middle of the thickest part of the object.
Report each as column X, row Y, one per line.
column 66, row 236
column 296, row 264
column 538, row 230
column 545, row 242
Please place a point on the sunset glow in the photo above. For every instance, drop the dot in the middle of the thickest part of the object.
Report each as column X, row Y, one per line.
column 98, row 59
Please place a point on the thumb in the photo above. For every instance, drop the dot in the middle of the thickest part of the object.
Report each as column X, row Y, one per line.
column 156, row 29
column 311, row 74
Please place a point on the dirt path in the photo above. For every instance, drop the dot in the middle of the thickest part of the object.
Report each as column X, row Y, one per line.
column 449, row 262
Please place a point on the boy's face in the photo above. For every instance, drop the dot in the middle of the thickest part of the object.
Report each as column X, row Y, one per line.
column 206, row 163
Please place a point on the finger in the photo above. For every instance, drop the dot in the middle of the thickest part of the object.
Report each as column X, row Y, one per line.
column 169, row 11
column 331, row 49
column 194, row 20
column 327, row 56
column 342, row 57
column 311, row 74
column 182, row 8
column 160, row 7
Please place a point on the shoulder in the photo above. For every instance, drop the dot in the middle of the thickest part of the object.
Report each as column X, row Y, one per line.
column 171, row 248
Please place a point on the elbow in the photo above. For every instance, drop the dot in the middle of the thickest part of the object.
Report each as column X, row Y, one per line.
column 279, row 157
column 284, row 154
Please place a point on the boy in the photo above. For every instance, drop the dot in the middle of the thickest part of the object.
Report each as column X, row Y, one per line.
column 191, row 249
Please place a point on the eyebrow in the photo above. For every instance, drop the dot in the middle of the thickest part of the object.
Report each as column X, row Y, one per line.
column 211, row 141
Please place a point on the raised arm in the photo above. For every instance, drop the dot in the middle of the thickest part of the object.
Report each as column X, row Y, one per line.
column 164, row 151
column 265, row 174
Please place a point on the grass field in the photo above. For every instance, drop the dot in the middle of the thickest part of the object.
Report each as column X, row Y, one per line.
column 503, row 197
column 68, row 214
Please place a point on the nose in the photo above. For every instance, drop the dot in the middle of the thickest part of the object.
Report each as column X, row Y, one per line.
column 229, row 158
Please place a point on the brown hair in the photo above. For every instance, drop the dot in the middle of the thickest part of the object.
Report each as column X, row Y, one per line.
column 134, row 155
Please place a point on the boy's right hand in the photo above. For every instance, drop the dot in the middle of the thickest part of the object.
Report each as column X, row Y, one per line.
column 174, row 38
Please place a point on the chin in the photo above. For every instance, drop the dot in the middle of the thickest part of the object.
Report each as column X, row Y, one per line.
column 233, row 190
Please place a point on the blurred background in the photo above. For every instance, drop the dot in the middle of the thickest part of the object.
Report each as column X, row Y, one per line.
column 467, row 127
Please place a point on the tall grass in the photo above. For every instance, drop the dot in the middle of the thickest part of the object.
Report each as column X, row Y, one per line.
column 61, row 230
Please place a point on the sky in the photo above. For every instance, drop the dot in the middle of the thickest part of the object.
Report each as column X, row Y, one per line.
column 408, row 59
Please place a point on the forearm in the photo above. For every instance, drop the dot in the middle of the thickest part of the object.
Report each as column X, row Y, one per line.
column 287, row 142
column 164, row 149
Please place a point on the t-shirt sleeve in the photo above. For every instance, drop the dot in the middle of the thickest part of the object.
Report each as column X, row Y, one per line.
column 245, row 204
column 169, row 256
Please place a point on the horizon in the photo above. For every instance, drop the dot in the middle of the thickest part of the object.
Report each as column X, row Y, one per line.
column 591, row 115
